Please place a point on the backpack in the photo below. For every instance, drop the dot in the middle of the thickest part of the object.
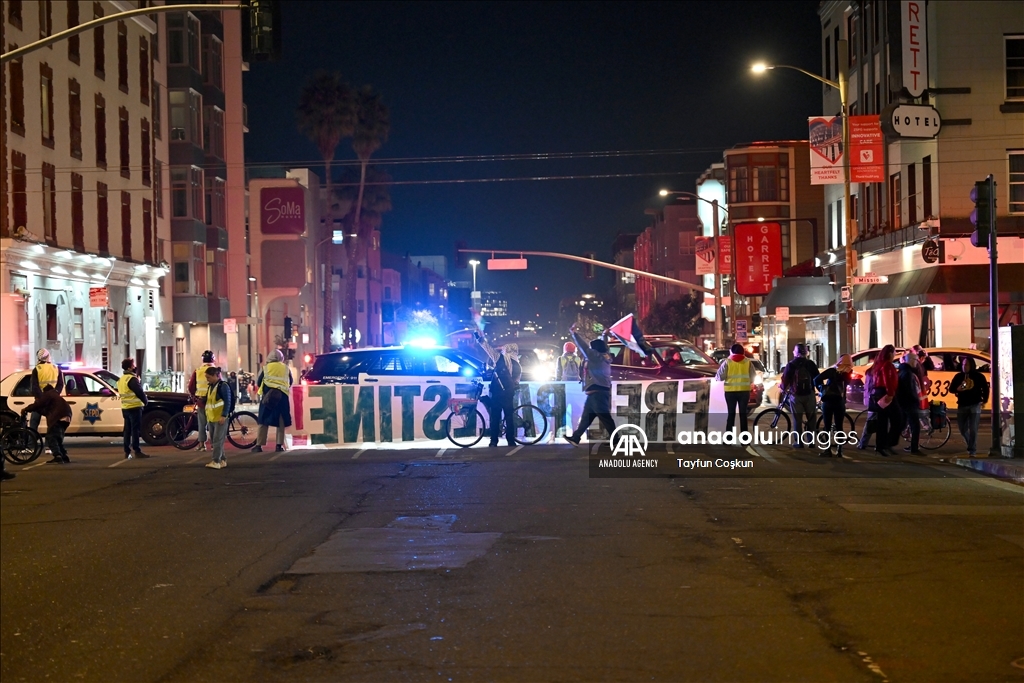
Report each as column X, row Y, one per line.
column 802, row 386
column 570, row 368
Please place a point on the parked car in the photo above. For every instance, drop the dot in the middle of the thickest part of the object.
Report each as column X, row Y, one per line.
column 95, row 404
column 946, row 361
column 393, row 363
column 630, row 365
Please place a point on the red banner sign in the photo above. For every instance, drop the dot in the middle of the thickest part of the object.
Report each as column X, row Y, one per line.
column 725, row 254
column 282, row 211
column 867, row 164
column 759, row 257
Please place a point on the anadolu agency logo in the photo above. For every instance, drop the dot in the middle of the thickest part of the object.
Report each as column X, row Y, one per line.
column 629, row 449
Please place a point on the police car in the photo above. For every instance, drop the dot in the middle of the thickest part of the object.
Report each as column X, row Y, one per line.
column 95, row 404
column 394, row 364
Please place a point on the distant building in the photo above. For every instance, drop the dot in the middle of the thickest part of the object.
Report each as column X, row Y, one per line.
column 667, row 248
column 436, row 263
column 494, row 305
column 625, row 283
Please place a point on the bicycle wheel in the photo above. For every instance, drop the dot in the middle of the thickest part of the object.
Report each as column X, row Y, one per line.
column 242, row 430
column 772, row 420
column 932, row 439
column 21, row 445
column 465, row 428
column 847, row 423
column 530, row 423
column 183, row 431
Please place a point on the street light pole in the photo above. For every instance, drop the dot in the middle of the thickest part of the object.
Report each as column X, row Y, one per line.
column 474, row 297
column 843, row 46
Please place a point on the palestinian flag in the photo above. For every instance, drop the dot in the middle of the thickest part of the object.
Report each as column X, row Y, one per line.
column 628, row 332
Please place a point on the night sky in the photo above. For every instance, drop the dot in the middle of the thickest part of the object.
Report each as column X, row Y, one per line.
column 469, row 79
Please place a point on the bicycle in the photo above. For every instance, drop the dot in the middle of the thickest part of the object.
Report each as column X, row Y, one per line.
column 183, row 429
column 465, row 425
column 931, row 437
column 779, row 412
column 20, row 443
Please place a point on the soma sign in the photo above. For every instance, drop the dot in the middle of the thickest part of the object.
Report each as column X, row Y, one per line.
column 282, row 211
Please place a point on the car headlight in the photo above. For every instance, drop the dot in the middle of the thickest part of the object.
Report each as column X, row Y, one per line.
column 759, row 378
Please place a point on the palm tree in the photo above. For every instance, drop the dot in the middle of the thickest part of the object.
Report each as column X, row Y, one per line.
column 326, row 115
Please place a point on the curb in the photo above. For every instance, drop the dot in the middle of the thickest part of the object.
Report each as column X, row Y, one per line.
column 1002, row 470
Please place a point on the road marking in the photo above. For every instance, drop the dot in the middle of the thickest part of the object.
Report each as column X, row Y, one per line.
column 32, row 467
column 360, row 452
column 757, row 450
column 668, row 447
column 119, row 462
column 514, row 450
column 911, row 509
column 441, row 451
column 975, row 476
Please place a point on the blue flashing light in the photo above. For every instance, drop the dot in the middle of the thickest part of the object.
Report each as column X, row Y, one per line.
column 422, row 342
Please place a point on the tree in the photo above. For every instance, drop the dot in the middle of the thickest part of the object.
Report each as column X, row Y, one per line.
column 679, row 317
column 326, row 115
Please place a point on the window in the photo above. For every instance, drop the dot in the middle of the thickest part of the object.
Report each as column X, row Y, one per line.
column 828, row 57
column 102, row 220
column 19, row 190
column 101, row 131
column 213, row 131
column 51, row 322
column 17, row 96
column 147, row 170
column 73, row 42
column 216, row 273
column 851, row 32
column 14, row 13
column 147, row 231
column 158, row 187
column 75, row 117
column 78, row 323
column 144, row 70
column 183, row 40
column 45, row 18
column 387, row 293
column 1015, row 67
column 77, row 213
column 360, row 273
column 1016, row 182
column 158, row 116
column 897, row 328
column 216, row 211
column 46, row 103
column 739, row 187
column 124, row 132
column 186, row 115
column 771, row 184
column 912, row 194
column 189, row 270
column 926, row 183
column 122, row 56
column 126, row 225
column 212, row 60
column 98, row 42
column 361, row 306
column 50, row 203
column 187, row 192
column 895, row 219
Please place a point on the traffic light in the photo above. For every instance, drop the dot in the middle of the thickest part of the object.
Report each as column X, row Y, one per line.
column 261, row 31
column 461, row 257
column 984, row 214
column 307, row 358
column 287, row 329
column 588, row 268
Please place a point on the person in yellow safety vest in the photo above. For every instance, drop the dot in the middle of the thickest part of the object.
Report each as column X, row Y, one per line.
column 45, row 372
column 738, row 374
column 220, row 403
column 197, row 387
column 275, row 411
column 133, row 400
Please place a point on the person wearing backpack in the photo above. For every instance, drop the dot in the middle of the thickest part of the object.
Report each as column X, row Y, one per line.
column 832, row 383
column 798, row 381
column 568, row 368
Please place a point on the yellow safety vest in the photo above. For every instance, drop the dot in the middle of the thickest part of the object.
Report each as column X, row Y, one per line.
column 128, row 398
column 48, row 373
column 737, row 375
column 275, row 376
column 201, row 384
column 214, row 404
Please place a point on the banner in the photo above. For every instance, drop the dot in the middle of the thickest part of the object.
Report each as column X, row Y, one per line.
column 704, row 247
column 826, row 142
column 867, row 162
column 725, row 254
column 759, row 260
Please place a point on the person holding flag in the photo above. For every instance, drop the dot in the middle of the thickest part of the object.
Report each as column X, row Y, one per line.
column 597, row 385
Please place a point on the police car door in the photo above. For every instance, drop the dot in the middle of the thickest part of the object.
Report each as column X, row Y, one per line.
column 95, row 407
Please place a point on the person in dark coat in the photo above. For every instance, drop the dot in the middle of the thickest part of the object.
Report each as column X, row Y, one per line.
column 504, row 387
column 57, row 412
column 275, row 411
column 908, row 397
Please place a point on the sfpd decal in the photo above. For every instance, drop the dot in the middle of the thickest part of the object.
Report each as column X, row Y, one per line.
column 91, row 413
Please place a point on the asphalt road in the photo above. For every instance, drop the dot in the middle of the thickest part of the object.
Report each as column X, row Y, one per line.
column 493, row 565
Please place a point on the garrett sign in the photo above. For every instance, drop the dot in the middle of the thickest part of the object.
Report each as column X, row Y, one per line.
column 758, row 258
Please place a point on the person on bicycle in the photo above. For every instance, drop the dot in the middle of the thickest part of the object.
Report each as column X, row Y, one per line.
column 133, row 400
column 57, row 412
column 569, row 367
column 504, row 387
column 274, row 411
column 597, row 385
column 219, row 406
column 43, row 374
column 971, row 389
column 798, row 382
column 831, row 384
column 197, row 389
column 738, row 373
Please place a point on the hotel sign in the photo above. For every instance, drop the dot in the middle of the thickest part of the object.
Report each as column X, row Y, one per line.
column 915, row 47
column 912, row 121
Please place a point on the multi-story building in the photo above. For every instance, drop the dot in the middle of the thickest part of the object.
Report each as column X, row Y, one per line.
column 968, row 77
column 625, row 283
column 666, row 248
column 494, row 305
column 84, row 221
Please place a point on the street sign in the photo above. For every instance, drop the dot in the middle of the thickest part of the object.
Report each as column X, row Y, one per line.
column 782, row 313
column 99, row 297
column 871, row 280
column 741, row 330
column 506, row 264
column 230, row 326
column 845, row 294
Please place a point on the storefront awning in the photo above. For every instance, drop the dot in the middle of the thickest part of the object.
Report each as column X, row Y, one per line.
column 805, row 296
column 941, row 285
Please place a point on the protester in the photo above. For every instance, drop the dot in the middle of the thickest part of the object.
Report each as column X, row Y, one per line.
column 832, row 383
column 569, row 368
column 219, row 406
column 597, row 385
column 798, row 381
column 504, row 386
column 738, row 373
column 43, row 374
column 971, row 389
column 923, row 358
column 275, row 411
column 197, row 389
column 133, row 400
column 57, row 412
column 908, row 398
column 882, row 401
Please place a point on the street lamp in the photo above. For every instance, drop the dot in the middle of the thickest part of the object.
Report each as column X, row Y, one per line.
column 474, row 296
column 719, row 333
column 843, row 46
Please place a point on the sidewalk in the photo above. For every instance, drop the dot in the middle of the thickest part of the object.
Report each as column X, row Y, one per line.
column 1002, row 468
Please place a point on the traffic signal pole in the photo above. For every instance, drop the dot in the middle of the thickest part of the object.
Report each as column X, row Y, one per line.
column 995, row 450
column 593, row 262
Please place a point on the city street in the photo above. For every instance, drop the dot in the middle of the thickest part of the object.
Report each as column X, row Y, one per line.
column 441, row 564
